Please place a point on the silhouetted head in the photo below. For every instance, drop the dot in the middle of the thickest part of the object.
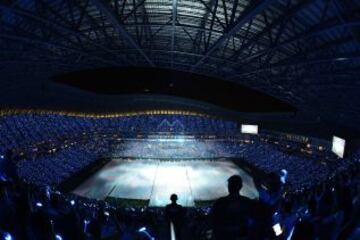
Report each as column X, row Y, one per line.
column 173, row 198
column 234, row 184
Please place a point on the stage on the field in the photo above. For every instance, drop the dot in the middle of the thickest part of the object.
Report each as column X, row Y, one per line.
column 156, row 180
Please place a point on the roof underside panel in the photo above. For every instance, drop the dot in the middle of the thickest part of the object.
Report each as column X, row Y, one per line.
column 305, row 52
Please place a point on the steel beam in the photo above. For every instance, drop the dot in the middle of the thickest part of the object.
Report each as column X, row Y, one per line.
column 243, row 19
column 115, row 21
column 47, row 45
column 173, row 30
column 317, row 31
column 283, row 18
column 286, row 63
column 58, row 28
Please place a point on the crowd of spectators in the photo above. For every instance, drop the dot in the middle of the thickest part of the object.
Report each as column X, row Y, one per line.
column 320, row 193
column 57, row 162
column 329, row 211
column 304, row 172
column 28, row 128
column 54, row 169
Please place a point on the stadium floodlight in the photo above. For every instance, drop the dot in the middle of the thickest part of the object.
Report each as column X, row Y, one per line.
column 2, row 157
column 39, row 204
column 338, row 146
column 250, row 129
column 72, row 202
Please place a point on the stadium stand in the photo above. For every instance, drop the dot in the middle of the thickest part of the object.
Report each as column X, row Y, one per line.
column 321, row 191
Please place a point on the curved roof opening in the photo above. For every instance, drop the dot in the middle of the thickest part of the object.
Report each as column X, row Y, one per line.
column 150, row 81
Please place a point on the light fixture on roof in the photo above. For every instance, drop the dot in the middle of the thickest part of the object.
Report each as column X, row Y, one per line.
column 341, row 59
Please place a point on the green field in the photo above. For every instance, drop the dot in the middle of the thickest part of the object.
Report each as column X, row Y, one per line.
column 127, row 202
column 204, row 203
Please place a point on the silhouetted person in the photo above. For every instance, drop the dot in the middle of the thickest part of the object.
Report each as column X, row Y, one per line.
column 174, row 214
column 270, row 191
column 231, row 213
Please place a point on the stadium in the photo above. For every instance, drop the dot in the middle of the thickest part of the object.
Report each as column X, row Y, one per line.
column 172, row 120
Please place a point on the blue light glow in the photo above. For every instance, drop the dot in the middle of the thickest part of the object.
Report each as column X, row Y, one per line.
column 143, row 229
column 2, row 178
column 7, row 236
column 283, row 175
column 86, row 222
column 58, row 237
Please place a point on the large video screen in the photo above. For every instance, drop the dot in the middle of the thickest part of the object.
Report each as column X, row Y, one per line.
column 251, row 129
column 338, row 146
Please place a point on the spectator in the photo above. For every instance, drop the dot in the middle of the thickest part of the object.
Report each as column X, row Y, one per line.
column 231, row 213
column 174, row 214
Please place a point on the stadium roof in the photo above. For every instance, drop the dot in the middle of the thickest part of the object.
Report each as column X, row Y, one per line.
column 304, row 52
